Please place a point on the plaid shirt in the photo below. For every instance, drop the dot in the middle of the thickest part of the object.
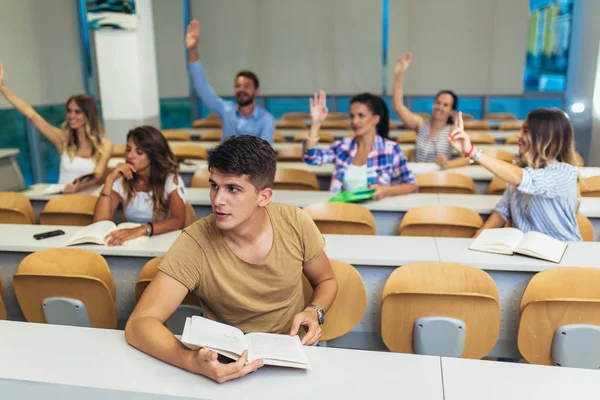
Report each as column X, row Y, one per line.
column 386, row 164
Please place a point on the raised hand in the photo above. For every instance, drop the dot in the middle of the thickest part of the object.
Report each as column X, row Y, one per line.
column 192, row 36
column 122, row 169
column 1, row 76
column 318, row 107
column 402, row 64
column 459, row 139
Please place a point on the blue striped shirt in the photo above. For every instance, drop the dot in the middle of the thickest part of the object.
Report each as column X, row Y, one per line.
column 260, row 123
column 545, row 201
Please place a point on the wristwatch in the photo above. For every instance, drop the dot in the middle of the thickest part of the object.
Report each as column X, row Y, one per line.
column 148, row 229
column 477, row 155
column 320, row 313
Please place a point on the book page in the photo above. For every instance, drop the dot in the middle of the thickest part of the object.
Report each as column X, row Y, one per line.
column 498, row 240
column 130, row 225
column 215, row 336
column 270, row 346
column 54, row 189
column 93, row 233
column 537, row 244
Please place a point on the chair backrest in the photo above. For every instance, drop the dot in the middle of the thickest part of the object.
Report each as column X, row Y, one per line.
column 579, row 162
column 482, row 138
column 177, row 135
column 342, row 218
column 497, row 186
column 590, row 187
column 70, row 209
column 65, row 272
column 15, row 209
column 278, row 137
column 295, row 179
column 200, row 179
column 324, row 137
column 393, row 125
column 407, row 137
column 211, row 136
column 207, row 123
column 335, row 124
column 512, row 139
column 190, row 214
column 553, row 298
column 500, row 154
column 189, row 152
column 440, row 221
column 440, row 289
column 476, row 126
column 510, row 126
column 290, row 154
column 119, row 150
column 212, row 116
column 148, row 272
column 290, row 124
column 2, row 307
column 445, row 182
column 586, row 229
column 499, row 116
column 408, row 153
column 296, row 115
column 467, row 117
column 338, row 116
column 350, row 301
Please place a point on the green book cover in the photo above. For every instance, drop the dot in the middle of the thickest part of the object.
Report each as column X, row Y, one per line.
column 352, row 197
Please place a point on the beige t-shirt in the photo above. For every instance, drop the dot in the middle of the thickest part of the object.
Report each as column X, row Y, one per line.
column 262, row 297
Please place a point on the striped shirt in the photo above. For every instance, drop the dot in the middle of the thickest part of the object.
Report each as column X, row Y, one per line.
column 386, row 164
column 427, row 148
column 545, row 201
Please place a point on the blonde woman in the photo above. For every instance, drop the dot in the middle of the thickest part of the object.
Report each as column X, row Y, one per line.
column 80, row 142
column 542, row 193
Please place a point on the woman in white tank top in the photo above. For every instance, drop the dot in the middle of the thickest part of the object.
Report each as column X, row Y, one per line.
column 80, row 142
column 432, row 137
column 148, row 186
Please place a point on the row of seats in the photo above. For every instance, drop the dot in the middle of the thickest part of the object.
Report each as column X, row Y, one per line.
column 338, row 115
column 69, row 210
column 443, row 309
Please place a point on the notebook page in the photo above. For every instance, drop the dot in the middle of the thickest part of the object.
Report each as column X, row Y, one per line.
column 503, row 240
column 54, row 189
column 542, row 246
column 276, row 347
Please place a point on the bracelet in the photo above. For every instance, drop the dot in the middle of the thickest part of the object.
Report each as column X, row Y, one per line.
column 148, row 231
column 477, row 154
column 105, row 194
column 151, row 228
column 468, row 154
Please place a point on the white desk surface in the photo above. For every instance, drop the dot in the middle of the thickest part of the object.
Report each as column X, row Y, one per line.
column 5, row 153
column 101, row 358
column 578, row 254
column 19, row 238
column 492, row 380
column 36, row 191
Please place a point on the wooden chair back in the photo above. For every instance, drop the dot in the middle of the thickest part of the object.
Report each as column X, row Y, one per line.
column 177, row 135
column 442, row 289
column 445, row 182
column 211, row 136
column 69, row 209
column 324, row 137
column 296, row 115
column 295, row 179
column 497, row 186
column 207, row 123
column 500, row 116
column 440, row 221
column 189, row 152
column 200, row 179
column 290, row 154
column 119, row 150
column 350, row 302
column 510, row 126
column 71, row 273
column 342, row 218
column 553, row 298
column 148, row 272
column 290, row 124
column 482, row 138
column 407, row 137
column 590, row 187
column 476, row 126
column 15, row 209
column 335, row 124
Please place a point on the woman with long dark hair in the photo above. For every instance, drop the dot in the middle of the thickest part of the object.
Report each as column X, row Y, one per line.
column 542, row 193
column 368, row 159
column 80, row 141
column 148, row 186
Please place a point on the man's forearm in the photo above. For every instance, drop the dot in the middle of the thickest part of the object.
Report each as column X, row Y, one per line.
column 193, row 55
column 324, row 294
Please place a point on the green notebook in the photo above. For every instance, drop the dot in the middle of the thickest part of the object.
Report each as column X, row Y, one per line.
column 352, row 197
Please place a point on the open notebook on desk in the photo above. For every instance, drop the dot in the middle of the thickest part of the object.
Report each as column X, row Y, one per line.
column 96, row 233
column 273, row 349
column 511, row 240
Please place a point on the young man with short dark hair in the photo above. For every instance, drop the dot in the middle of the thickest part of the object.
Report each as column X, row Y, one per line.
column 245, row 263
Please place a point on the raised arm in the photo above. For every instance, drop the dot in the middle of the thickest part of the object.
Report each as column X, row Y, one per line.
column 310, row 153
column 52, row 133
column 267, row 131
column 201, row 86
column 411, row 120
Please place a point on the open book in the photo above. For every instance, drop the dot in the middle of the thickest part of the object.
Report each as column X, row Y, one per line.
column 512, row 240
column 273, row 349
column 97, row 232
column 57, row 188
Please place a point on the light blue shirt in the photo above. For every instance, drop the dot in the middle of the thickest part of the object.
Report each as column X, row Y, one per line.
column 260, row 123
column 545, row 201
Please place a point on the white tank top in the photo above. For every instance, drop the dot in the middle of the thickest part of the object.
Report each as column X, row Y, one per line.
column 70, row 170
column 355, row 177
